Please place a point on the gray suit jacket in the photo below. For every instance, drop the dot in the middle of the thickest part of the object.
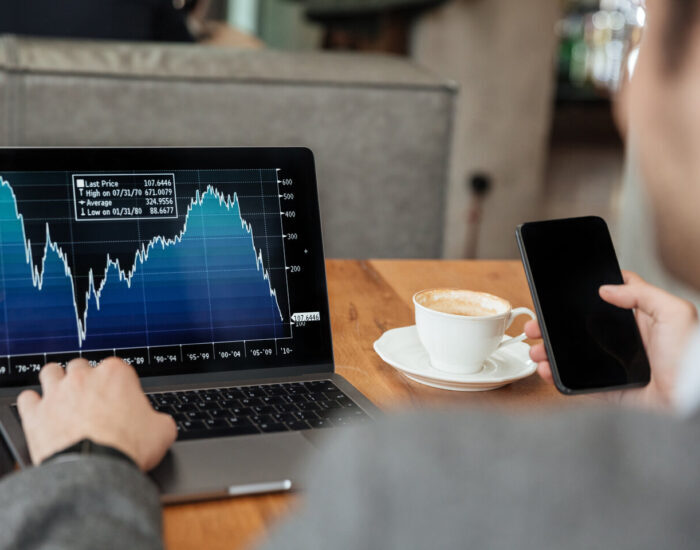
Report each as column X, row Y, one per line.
column 90, row 503
column 574, row 480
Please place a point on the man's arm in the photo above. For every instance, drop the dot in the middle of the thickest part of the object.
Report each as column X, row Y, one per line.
column 76, row 501
column 80, row 502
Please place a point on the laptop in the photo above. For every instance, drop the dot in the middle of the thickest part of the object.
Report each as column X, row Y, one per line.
column 201, row 267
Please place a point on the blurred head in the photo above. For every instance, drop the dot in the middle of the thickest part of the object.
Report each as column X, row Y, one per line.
column 664, row 114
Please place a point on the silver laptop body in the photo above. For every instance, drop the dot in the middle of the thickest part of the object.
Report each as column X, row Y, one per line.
column 203, row 268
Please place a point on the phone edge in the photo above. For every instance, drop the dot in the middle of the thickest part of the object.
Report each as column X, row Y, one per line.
column 538, row 311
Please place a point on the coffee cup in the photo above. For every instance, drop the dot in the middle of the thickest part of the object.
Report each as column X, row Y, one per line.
column 460, row 329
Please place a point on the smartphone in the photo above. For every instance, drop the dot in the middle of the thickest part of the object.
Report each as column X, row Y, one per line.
column 592, row 345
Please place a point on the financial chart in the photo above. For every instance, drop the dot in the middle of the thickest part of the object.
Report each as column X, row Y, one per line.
column 158, row 267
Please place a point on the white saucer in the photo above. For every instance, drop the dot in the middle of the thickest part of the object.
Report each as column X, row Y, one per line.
column 401, row 348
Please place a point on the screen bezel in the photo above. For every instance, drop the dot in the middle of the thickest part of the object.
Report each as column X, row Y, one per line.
column 522, row 246
column 154, row 158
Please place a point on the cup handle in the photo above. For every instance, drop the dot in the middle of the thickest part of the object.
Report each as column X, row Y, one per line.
column 513, row 314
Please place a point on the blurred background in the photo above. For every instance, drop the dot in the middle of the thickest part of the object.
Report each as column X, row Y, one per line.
column 438, row 125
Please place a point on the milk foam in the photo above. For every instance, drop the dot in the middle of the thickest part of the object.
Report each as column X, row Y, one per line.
column 463, row 302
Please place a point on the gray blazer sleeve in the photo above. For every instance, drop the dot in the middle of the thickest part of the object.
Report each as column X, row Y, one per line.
column 87, row 503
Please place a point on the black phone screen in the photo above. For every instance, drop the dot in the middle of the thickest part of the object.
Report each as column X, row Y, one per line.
column 591, row 344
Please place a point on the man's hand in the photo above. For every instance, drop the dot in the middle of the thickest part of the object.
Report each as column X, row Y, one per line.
column 105, row 404
column 665, row 322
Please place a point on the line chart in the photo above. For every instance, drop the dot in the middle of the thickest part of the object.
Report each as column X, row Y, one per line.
column 214, row 273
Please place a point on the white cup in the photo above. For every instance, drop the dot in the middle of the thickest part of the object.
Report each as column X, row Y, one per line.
column 460, row 329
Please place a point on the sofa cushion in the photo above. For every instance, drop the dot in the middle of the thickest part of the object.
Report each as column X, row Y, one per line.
column 379, row 126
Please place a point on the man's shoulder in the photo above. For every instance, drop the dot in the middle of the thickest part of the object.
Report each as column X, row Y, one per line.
column 612, row 427
column 577, row 478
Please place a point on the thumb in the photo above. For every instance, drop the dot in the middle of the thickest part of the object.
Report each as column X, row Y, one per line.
column 636, row 294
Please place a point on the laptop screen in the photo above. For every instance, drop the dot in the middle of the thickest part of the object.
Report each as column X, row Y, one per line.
column 176, row 260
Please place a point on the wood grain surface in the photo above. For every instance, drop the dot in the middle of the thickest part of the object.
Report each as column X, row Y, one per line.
column 366, row 299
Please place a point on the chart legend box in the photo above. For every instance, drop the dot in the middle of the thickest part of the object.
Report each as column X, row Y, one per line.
column 101, row 197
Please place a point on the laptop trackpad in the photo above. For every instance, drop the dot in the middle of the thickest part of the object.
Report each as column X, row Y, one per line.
column 231, row 466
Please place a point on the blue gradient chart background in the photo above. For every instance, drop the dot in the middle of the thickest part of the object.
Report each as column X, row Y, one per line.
column 204, row 282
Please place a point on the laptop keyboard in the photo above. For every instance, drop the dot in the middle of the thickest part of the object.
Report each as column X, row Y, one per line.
column 267, row 408
column 246, row 410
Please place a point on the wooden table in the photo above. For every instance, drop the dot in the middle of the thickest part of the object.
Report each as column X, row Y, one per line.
column 367, row 298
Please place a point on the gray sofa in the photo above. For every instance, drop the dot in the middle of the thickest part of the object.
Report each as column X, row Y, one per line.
column 380, row 126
